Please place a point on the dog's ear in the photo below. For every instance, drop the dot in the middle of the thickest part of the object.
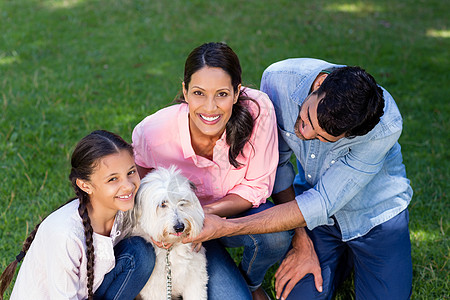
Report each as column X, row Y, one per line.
column 135, row 213
column 192, row 185
column 132, row 216
column 127, row 223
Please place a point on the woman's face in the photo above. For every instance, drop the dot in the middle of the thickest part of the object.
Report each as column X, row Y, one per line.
column 113, row 184
column 210, row 97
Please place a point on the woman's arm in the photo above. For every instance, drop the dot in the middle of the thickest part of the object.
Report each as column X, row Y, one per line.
column 230, row 205
column 143, row 171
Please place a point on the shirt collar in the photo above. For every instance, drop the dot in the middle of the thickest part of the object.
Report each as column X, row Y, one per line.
column 300, row 94
column 185, row 136
column 185, row 139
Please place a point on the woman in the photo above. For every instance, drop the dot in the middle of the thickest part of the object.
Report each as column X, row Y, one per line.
column 59, row 254
column 222, row 137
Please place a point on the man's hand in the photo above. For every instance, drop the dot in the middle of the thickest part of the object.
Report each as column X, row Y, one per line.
column 300, row 260
column 212, row 229
column 161, row 244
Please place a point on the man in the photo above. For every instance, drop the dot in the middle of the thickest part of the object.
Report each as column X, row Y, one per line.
column 351, row 191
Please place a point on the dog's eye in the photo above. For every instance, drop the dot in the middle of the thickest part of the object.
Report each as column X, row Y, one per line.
column 163, row 204
column 182, row 202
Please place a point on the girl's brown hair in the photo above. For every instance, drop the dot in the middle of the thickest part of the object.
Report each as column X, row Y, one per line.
column 85, row 158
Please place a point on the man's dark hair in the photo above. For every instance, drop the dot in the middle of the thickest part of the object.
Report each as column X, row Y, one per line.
column 353, row 102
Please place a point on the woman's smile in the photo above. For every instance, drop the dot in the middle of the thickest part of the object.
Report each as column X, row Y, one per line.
column 209, row 119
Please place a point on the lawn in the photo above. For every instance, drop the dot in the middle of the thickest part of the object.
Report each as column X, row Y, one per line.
column 68, row 67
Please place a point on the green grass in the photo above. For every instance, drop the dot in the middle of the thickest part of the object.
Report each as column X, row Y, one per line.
column 68, row 67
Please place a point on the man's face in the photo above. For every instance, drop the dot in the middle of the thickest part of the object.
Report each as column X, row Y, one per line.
column 307, row 126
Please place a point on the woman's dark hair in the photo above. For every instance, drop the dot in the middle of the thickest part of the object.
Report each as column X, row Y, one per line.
column 85, row 159
column 353, row 103
column 240, row 126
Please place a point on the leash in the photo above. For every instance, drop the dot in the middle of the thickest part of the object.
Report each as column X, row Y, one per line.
column 169, row 275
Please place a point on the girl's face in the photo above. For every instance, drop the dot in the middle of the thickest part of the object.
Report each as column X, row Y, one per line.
column 113, row 184
column 210, row 97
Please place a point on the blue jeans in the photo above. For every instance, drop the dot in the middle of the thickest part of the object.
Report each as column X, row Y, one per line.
column 135, row 259
column 381, row 260
column 261, row 251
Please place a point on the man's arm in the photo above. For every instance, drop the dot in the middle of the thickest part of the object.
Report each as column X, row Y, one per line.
column 275, row 219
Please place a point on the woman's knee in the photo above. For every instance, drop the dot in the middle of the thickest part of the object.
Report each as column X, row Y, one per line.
column 225, row 280
column 276, row 243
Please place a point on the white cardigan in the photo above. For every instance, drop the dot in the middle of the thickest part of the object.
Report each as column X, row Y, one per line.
column 55, row 265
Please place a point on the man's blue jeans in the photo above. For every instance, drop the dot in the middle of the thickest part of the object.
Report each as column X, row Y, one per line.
column 261, row 251
column 381, row 260
column 135, row 259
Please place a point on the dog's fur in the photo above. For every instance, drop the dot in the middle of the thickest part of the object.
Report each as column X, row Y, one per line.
column 167, row 210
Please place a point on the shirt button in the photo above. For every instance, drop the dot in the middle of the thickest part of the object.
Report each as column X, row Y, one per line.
column 309, row 176
column 333, row 161
column 288, row 134
column 313, row 156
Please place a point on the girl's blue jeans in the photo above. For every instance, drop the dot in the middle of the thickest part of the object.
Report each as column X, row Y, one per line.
column 261, row 251
column 135, row 259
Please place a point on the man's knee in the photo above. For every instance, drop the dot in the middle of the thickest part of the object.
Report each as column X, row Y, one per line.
column 306, row 288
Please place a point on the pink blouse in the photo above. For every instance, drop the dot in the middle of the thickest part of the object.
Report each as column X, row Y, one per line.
column 163, row 139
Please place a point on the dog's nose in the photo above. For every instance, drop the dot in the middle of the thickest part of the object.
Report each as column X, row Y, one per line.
column 179, row 227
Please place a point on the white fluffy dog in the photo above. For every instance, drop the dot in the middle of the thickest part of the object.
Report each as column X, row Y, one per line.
column 167, row 210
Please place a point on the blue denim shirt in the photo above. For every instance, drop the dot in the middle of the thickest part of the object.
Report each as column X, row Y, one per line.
column 360, row 181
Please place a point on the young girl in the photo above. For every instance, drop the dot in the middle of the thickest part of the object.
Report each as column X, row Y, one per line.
column 60, row 262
